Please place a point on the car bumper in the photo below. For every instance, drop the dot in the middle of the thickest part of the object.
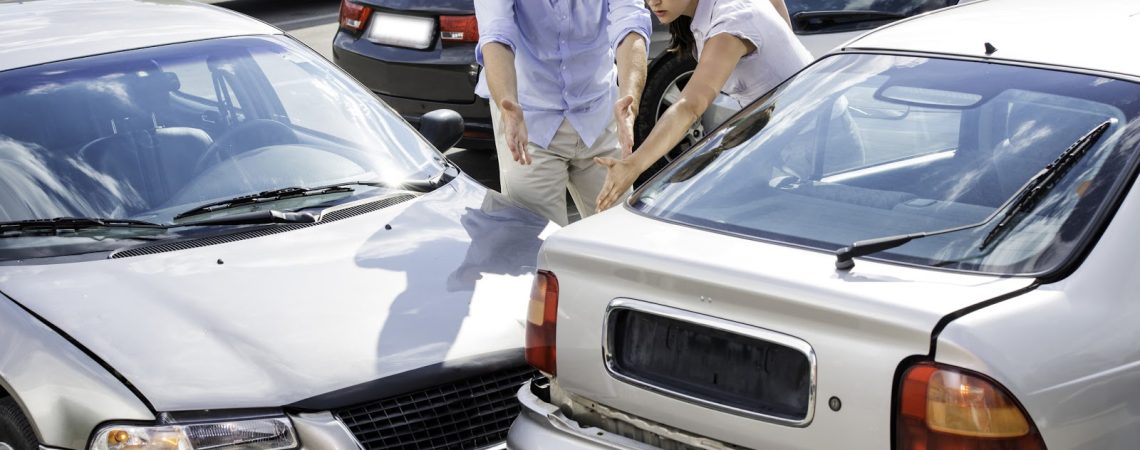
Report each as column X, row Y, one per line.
column 416, row 82
column 478, row 133
column 542, row 425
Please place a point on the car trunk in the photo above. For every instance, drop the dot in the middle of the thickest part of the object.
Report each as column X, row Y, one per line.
column 440, row 73
column 737, row 340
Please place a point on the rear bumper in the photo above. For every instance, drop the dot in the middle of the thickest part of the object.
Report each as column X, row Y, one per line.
column 541, row 425
column 415, row 82
column 478, row 132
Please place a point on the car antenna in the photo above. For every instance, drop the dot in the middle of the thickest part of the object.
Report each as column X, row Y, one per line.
column 990, row 49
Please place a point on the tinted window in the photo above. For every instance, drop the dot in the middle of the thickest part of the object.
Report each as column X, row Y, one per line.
column 860, row 146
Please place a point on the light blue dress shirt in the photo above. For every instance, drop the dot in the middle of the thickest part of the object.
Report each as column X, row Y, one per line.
column 564, row 58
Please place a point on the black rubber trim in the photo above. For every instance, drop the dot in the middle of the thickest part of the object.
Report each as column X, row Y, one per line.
column 90, row 354
column 326, row 217
column 412, row 380
column 969, row 309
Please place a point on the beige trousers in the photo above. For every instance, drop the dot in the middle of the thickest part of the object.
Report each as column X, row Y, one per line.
column 566, row 164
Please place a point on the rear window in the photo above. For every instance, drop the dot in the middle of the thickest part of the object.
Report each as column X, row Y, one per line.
column 861, row 147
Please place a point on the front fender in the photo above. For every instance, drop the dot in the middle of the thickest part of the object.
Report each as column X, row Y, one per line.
column 62, row 391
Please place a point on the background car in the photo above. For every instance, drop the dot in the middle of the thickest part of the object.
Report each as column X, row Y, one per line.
column 211, row 237
column 419, row 55
column 925, row 240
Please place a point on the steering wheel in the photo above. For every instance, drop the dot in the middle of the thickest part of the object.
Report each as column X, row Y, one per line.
column 245, row 136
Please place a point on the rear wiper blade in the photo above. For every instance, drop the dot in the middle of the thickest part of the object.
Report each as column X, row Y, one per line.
column 820, row 20
column 1043, row 182
column 75, row 223
column 1015, row 207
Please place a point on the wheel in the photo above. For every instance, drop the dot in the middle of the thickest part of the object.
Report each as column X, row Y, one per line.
column 15, row 431
column 248, row 135
column 663, row 88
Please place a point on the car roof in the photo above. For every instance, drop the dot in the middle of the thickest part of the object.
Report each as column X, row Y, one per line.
column 38, row 32
column 1088, row 34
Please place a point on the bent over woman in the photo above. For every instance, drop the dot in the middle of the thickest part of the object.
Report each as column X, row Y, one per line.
column 743, row 48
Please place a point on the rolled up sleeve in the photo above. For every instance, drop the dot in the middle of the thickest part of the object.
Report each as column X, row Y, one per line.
column 628, row 16
column 496, row 24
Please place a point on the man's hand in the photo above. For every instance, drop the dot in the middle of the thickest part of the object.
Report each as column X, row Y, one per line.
column 514, row 127
column 625, row 116
column 620, row 175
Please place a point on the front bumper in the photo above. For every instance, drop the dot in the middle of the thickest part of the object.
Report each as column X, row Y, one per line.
column 541, row 425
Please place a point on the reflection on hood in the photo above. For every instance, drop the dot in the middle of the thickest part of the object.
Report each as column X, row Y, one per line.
column 499, row 230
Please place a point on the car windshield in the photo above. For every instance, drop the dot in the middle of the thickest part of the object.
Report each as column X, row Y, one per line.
column 147, row 134
column 832, row 16
column 860, row 147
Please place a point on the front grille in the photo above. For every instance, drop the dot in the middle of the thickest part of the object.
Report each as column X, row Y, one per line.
column 472, row 413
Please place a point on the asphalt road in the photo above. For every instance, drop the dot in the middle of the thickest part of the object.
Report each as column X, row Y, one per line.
column 314, row 22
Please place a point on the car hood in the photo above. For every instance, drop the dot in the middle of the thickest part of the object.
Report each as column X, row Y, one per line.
column 273, row 320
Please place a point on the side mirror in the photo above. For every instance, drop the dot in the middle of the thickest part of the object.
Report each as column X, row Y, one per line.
column 442, row 127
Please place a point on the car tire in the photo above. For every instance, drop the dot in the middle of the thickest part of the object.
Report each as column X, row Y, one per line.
column 668, row 73
column 15, row 431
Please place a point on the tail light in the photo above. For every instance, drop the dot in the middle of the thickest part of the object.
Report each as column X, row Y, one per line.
column 458, row 29
column 946, row 408
column 541, row 318
column 353, row 16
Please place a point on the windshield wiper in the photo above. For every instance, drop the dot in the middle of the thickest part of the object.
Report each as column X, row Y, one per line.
column 450, row 171
column 1015, row 207
column 271, row 195
column 74, row 223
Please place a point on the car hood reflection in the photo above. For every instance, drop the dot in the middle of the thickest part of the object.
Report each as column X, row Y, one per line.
column 273, row 320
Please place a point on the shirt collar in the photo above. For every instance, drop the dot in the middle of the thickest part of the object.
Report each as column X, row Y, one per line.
column 702, row 17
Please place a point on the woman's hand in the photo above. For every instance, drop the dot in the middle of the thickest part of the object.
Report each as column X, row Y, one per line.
column 624, row 115
column 514, row 127
column 620, row 175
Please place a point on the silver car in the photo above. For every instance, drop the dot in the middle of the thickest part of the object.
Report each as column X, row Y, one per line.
column 212, row 238
column 925, row 240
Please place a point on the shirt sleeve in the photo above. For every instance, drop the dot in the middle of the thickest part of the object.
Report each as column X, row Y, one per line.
column 628, row 16
column 497, row 23
column 738, row 19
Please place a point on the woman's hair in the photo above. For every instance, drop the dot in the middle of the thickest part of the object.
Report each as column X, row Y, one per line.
column 683, row 42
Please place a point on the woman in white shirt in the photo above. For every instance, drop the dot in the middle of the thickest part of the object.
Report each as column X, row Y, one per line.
column 743, row 48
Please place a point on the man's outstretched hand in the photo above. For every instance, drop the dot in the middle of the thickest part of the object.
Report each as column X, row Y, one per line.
column 514, row 127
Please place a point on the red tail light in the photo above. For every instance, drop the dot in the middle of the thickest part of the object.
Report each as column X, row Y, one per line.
column 353, row 16
column 541, row 318
column 458, row 29
column 946, row 408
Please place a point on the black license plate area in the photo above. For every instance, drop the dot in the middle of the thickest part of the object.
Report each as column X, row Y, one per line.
column 710, row 365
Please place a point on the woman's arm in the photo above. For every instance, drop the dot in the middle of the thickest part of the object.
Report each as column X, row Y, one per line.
column 718, row 60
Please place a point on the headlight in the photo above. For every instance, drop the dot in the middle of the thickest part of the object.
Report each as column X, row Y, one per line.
column 254, row 434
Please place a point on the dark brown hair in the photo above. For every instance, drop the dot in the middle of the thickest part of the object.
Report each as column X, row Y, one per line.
column 683, row 42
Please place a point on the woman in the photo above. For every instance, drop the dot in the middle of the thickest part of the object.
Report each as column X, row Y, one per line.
column 743, row 47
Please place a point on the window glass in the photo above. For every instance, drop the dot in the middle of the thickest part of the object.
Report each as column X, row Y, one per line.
column 861, row 147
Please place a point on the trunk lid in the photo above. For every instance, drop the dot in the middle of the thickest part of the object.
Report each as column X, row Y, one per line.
column 859, row 326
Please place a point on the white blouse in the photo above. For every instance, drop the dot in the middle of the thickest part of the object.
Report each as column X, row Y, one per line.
column 778, row 55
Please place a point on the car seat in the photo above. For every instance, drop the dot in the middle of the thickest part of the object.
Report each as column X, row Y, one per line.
column 149, row 161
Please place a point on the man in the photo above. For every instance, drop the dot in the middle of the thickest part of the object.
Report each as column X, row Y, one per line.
column 557, row 100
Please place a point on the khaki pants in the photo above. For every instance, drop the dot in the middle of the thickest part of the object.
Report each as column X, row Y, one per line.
column 567, row 164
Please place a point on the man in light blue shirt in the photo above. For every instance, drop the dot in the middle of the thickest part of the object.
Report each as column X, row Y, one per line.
column 557, row 98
